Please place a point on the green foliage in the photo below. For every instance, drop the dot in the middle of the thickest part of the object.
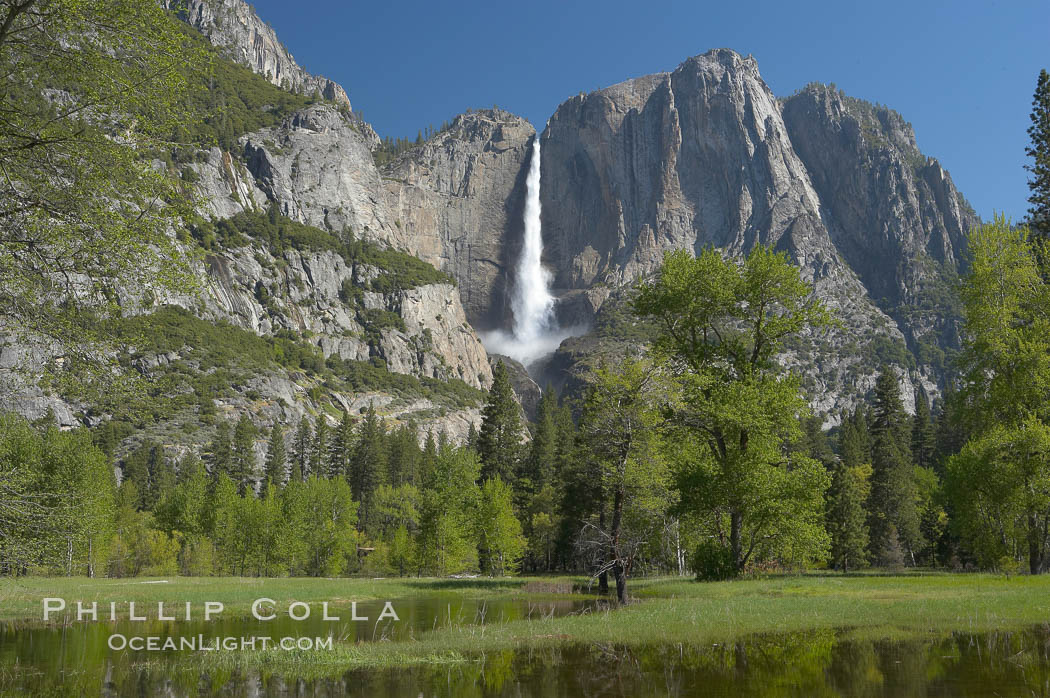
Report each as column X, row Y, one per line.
column 1039, row 150
column 276, row 457
column 398, row 271
column 846, row 517
column 450, row 493
column 713, row 562
column 58, row 492
column 500, row 541
column 242, row 465
column 368, row 467
column 735, row 413
column 893, row 516
column 232, row 99
column 998, row 483
column 501, row 435
column 619, row 441
column 80, row 106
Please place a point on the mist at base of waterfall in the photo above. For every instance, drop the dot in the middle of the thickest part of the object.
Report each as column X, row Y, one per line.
column 528, row 352
column 536, row 334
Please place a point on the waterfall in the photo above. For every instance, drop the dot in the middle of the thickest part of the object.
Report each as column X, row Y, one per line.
column 535, row 333
column 532, row 303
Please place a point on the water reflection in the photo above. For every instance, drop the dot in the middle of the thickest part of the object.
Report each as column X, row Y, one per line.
column 828, row 663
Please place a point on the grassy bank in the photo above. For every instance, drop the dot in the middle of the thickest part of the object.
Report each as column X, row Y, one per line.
column 22, row 598
column 679, row 611
column 668, row 610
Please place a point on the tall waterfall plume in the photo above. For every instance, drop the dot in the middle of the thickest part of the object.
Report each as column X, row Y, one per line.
column 532, row 303
column 535, row 333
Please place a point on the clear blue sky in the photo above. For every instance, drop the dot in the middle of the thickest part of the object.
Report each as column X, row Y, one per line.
column 961, row 71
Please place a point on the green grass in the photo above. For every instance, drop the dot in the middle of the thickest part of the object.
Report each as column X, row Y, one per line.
column 21, row 598
column 667, row 610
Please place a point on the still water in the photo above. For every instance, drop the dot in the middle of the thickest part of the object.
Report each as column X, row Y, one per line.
column 75, row 660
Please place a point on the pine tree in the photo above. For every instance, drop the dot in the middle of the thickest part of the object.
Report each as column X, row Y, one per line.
column 162, row 475
column 923, row 440
column 430, row 454
column 499, row 441
column 319, row 449
column 136, row 471
column 1039, row 151
column 220, row 451
column 368, row 468
column 301, row 446
column 341, row 453
column 538, row 466
column 814, row 441
column 242, row 467
column 855, row 439
column 276, row 459
column 846, row 518
column 403, row 456
column 472, row 437
column 893, row 516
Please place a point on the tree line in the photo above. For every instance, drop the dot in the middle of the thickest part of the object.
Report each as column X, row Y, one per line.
column 699, row 454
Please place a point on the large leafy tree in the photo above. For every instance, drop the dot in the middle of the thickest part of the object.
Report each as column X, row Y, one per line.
column 620, row 440
column 90, row 93
column 1000, row 482
column 722, row 323
column 498, row 532
column 449, row 500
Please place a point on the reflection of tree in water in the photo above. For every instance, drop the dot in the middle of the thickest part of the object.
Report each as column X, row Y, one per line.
column 818, row 663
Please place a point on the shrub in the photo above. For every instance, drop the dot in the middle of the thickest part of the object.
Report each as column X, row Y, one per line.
column 713, row 562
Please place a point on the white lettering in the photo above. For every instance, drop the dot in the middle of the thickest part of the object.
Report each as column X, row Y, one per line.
column 304, row 606
column 255, row 609
column 82, row 611
column 388, row 612
column 211, row 607
column 51, row 607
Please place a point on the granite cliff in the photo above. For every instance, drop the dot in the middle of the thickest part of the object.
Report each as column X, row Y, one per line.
column 703, row 155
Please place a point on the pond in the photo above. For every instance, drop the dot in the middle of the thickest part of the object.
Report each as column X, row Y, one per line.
column 75, row 659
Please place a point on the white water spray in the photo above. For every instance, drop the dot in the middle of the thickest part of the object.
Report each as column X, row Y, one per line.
column 533, row 303
column 535, row 333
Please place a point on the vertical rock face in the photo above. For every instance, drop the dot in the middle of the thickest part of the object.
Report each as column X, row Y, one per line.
column 696, row 157
column 456, row 202
column 898, row 219
column 707, row 155
column 318, row 167
column 234, row 26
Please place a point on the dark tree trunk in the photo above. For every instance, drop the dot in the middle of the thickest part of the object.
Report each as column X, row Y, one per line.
column 603, row 578
column 619, row 570
column 1035, row 546
column 736, row 523
column 621, row 583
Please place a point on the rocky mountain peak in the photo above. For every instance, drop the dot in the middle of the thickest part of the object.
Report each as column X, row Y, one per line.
column 234, row 27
